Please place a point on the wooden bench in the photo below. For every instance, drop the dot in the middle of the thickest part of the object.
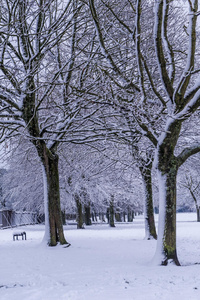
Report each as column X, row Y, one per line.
column 17, row 234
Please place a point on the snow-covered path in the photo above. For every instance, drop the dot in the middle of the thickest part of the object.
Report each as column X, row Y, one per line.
column 102, row 264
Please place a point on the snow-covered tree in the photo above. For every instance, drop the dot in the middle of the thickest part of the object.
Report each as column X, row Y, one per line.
column 182, row 100
column 162, row 86
column 114, row 25
column 91, row 174
column 189, row 185
column 22, row 186
column 39, row 43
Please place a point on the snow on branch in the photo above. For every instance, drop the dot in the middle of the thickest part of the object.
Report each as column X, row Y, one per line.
column 7, row 99
column 187, row 152
column 138, row 50
column 132, row 32
column 104, row 50
column 190, row 107
column 160, row 16
column 166, row 42
column 186, row 75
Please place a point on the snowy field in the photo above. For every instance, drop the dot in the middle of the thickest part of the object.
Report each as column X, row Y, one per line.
column 102, row 264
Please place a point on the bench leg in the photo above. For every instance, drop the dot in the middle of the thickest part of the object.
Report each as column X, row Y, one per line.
column 23, row 235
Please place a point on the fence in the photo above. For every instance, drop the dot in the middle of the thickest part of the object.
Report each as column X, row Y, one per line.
column 10, row 218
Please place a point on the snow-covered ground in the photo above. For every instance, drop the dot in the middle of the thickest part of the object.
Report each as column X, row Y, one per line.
column 102, row 264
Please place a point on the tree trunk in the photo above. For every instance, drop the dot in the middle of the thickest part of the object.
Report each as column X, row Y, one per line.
column 167, row 173
column 53, row 211
column 168, row 213
column 118, row 217
column 112, row 213
column 196, row 204
column 79, row 213
column 87, row 215
column 130, row 215
column 108, row 215
column 150, row 229
column 198, row 214
column 167, row 168
column 64, row 217
column 124, row 216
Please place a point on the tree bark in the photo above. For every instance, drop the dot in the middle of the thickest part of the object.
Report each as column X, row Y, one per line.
column 198, row 214
column 64, row 217
column 168, row 214
column 124, row 216
column 150, row 228
column 79, row 212
column 118, row 216
column 87, row 215
column 196, row 204
column 108, row 215
column 111, row 213
column 50, row 163
column 167, row 166
column 130, row 215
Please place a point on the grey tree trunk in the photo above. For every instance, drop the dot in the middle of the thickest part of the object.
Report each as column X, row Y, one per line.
column 87, row 215
column 118, row 217
column 50, row 163
column 124, row 216
column 112, row 212
column 108, row 215
column 196, row 204
column 79, row 212
column 130, row 215
column 169, row 235
column 167, row 165
column 198, row 214
column 150, row 228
